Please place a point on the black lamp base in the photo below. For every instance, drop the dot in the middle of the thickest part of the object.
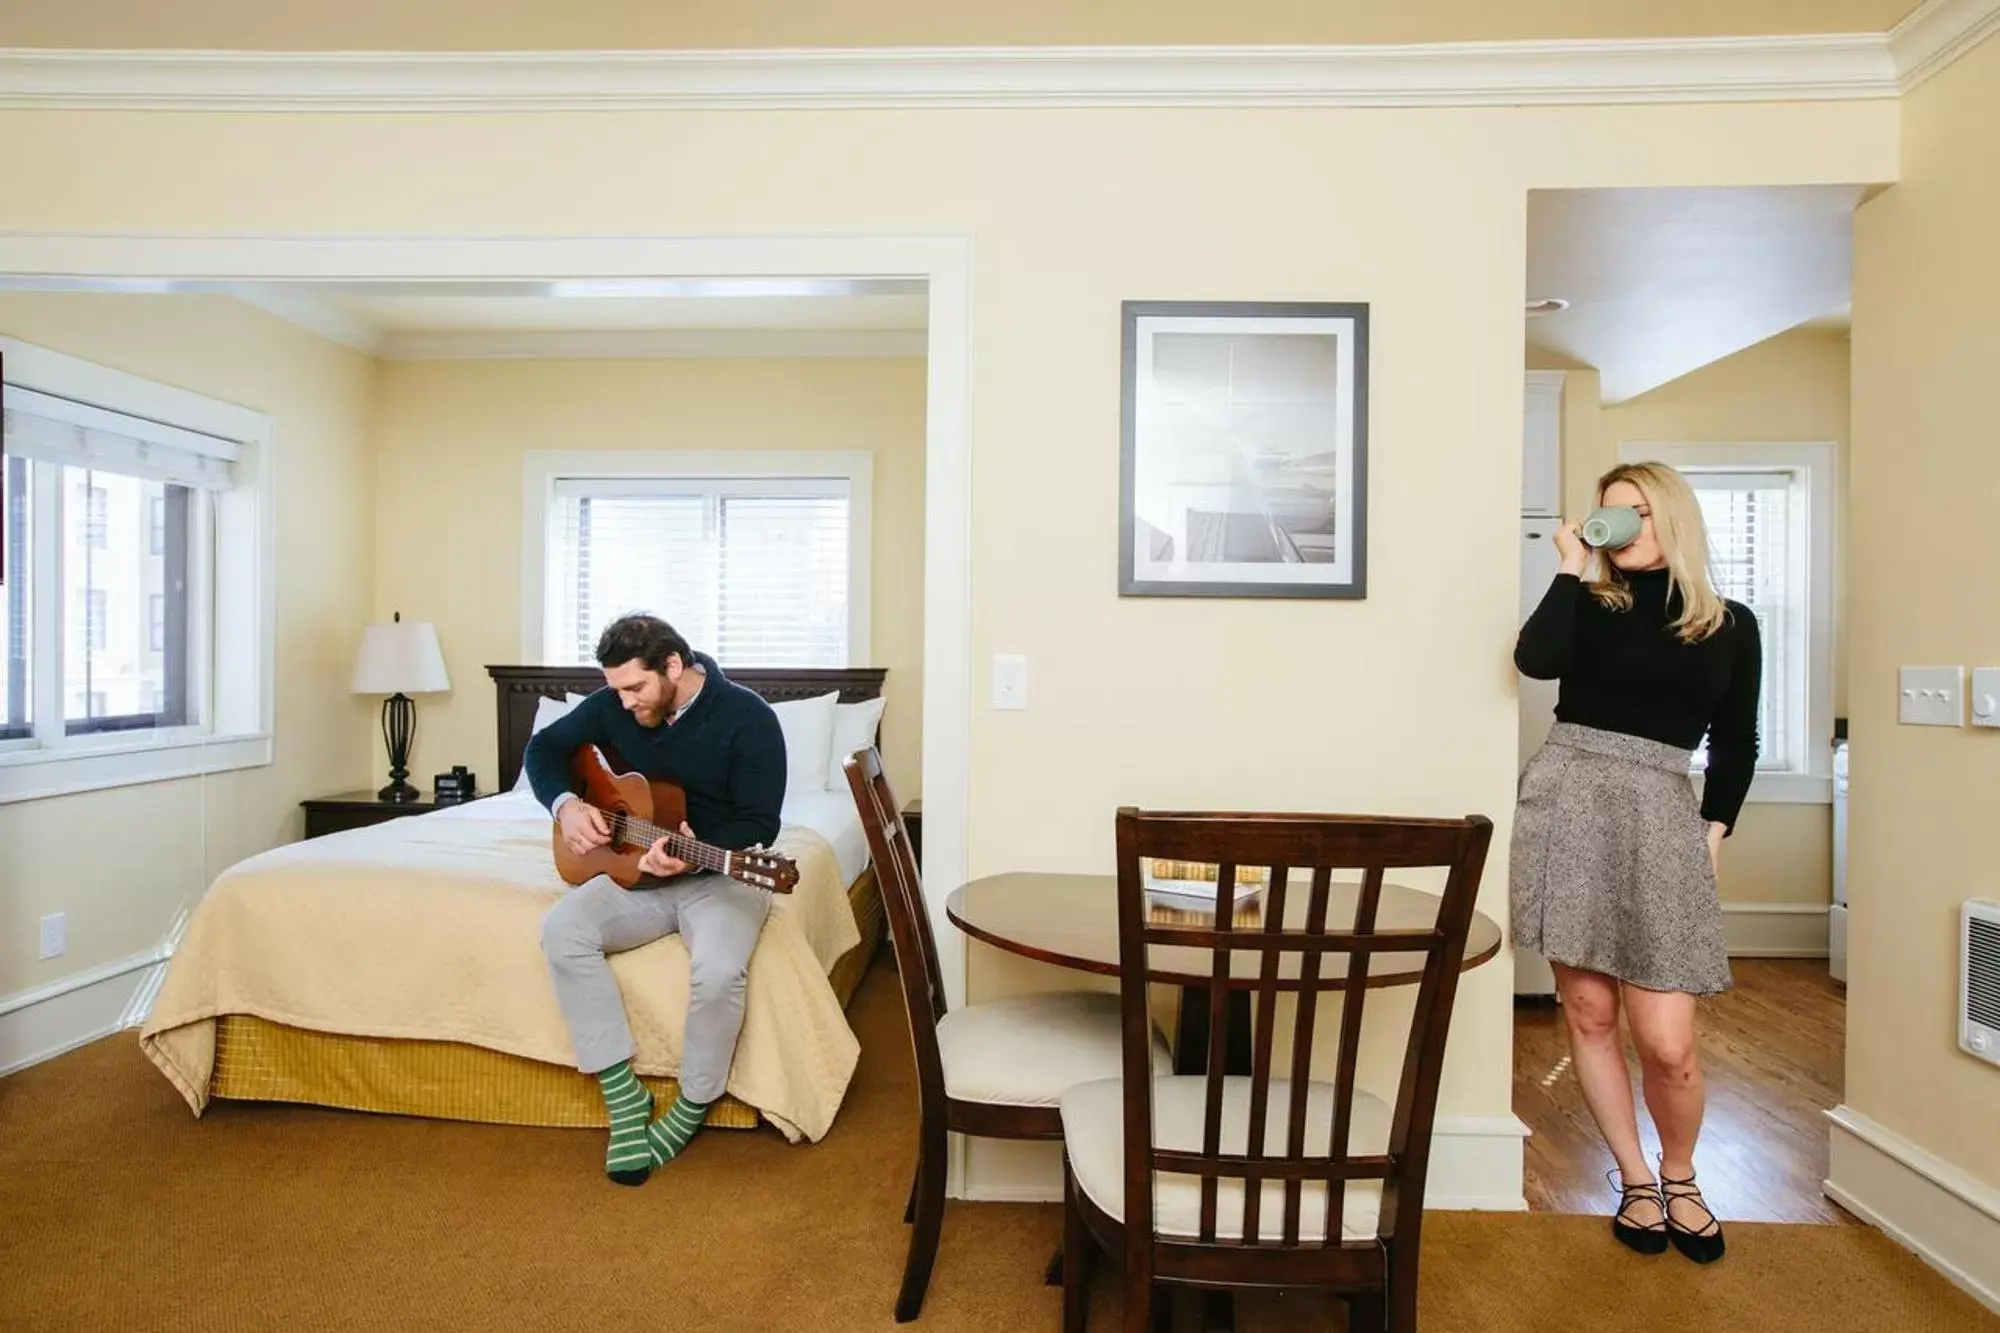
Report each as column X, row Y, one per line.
column 399, row 729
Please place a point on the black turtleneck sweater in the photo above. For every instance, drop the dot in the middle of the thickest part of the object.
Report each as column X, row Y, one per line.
column 1628, row 671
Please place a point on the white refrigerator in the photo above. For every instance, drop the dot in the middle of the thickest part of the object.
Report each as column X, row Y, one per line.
column 1539, row 563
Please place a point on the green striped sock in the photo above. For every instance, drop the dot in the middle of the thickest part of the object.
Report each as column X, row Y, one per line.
column 671, row 1132
column 628, row 1160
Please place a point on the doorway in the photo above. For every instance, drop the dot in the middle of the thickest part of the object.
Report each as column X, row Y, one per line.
column 1707, row 328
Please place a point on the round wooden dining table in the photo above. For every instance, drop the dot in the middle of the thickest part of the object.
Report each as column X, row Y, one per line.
column 1072, row 921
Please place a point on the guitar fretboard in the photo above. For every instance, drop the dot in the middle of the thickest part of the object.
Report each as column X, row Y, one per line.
column 633, row 832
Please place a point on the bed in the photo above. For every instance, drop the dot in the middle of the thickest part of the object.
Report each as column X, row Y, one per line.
column 398, row 968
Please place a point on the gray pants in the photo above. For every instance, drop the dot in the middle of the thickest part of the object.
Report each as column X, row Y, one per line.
column 719, row 920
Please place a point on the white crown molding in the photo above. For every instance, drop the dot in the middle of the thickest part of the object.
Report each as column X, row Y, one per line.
column 1938, row 32
column 317, row 316
column 1789, row 68
column 641, row 344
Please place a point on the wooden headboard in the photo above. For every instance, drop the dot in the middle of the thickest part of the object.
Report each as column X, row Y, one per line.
column 517, row 688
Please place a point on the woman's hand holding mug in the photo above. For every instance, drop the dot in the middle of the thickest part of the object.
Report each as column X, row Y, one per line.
column 1569, row 544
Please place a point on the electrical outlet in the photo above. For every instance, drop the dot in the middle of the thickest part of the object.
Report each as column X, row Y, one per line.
column 55, row 935
column 1931, row 696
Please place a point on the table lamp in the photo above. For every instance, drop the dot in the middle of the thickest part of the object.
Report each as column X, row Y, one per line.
column 399, row 659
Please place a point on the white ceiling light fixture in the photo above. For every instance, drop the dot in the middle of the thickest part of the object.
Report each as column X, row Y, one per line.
column 1548, row 305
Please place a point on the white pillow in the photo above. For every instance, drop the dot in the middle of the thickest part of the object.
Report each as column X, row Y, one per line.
column 853, row 729
column 808, row 728
column 547, row 710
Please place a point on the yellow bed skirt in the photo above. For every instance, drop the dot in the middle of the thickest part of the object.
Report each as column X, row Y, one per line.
column 258, row 1060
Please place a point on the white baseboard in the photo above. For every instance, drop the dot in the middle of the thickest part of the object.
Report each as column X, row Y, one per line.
column 1950, row 1220
column 1476, row 1163
column 40, row 1024
column 1775, row 930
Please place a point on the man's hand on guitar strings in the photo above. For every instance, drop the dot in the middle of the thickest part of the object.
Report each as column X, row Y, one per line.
column 657, row 862
column 583, row 827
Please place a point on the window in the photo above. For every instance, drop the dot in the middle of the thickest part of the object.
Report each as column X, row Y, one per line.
column 97, row 514
column 1752, row 560
column 1768, row 511
column 122, row 653
column 16, row 712
column 96, row 609
column 764, row 570
column 138, row 580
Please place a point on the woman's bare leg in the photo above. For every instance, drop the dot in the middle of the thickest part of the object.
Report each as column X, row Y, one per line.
column 1590, row 1011
column 1663, row 1031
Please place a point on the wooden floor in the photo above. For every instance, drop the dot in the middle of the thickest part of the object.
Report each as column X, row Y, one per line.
column 1773, row 1050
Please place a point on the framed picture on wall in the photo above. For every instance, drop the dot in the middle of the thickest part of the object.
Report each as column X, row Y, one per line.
column 1245, row 450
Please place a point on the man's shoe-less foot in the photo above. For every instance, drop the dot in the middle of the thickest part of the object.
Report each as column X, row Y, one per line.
column 628, row 1159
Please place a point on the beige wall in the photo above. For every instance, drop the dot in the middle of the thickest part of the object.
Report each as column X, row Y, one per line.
column 121, row 894
column 1788, row 389
column 1381, row 704
column 691, row 24
column 1926, row 420
column 450, row 436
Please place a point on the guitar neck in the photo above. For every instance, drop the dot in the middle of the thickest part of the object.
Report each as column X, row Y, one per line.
column 639, row 833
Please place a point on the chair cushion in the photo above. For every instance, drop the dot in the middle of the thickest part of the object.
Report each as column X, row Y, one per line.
column 1026, row 1050
column 1093, row 1116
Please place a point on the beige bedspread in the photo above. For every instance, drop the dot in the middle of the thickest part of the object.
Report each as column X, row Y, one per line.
column 430, row 927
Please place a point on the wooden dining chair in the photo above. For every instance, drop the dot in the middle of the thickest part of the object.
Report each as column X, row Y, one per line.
column 994, row 1070
column 1245, row 1181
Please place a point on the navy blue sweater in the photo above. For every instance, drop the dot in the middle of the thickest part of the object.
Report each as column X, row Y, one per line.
column 727, row 751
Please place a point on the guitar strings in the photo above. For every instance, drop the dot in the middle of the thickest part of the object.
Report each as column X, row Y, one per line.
column 683, row 848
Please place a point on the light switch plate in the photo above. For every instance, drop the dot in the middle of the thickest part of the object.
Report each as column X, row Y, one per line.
column 1010, row 681
column 55, row 935
column 1931, row 696
column 1985, row 696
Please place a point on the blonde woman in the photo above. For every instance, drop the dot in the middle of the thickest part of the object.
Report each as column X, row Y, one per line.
column 1613, row 859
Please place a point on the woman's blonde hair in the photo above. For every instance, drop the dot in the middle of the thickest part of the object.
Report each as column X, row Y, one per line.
column 1683, row 538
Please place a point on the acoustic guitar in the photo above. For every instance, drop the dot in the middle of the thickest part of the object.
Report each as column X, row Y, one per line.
column 640, row 811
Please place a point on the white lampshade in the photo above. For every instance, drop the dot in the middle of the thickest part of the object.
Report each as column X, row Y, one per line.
column 401, row 657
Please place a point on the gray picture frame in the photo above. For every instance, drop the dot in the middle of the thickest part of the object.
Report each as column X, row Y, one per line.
column 1274, row 451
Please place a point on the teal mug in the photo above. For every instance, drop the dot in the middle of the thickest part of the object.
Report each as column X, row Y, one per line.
column 1612, row 527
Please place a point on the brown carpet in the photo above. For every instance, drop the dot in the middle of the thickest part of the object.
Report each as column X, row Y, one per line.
column 118, row 1210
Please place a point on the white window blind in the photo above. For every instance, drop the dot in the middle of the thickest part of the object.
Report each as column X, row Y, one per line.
column 57, row 430
column 754, row 571
column 1757, row 528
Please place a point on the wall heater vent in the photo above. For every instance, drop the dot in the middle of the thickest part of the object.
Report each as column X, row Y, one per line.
column 1979, row 980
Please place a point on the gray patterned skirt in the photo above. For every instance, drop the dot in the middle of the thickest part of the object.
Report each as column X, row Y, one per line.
column 1609, row 868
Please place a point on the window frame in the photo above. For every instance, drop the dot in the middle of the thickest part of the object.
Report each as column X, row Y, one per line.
column 1814, row 463
column 232, row 649
column 542, row 469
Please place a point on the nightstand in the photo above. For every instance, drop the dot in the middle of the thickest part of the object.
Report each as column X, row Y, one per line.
column 359, row 809
column 913, row 820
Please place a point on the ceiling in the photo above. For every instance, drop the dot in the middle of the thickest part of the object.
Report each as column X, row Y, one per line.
column 470, row 25
column 1661, row 282
column 638, row 317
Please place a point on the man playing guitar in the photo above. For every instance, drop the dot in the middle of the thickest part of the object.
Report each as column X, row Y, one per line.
column 670, row 714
